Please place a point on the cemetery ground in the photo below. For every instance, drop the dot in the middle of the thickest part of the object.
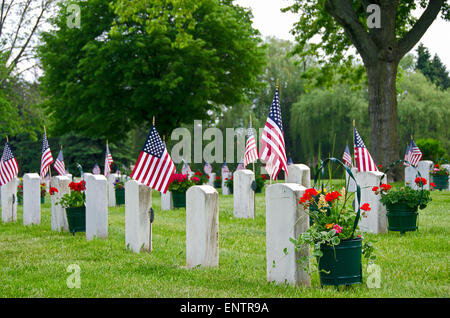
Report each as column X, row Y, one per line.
column 34, row 259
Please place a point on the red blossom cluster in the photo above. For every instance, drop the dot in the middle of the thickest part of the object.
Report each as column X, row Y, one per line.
column 308, row 196
column 77, row 186
column 198, row 173
column 332, row 196
column 178, row 177
column 366, row 207
column 383, row 188
column 195, row 179
column 264, row 176
column 218, row 178
column 20, row 186
column 53, row 190
column 433, row 184
column 420, row 181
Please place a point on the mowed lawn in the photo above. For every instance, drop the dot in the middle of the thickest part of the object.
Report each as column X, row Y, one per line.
column 34, row 259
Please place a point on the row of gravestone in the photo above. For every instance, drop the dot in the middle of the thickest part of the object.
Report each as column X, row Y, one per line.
column 285, row 218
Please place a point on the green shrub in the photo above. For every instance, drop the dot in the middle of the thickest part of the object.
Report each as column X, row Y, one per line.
column 431, row 149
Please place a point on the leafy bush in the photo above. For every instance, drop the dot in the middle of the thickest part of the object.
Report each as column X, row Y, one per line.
column 431, row 149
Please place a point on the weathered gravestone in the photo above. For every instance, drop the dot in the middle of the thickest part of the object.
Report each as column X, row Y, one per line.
column 225, row 177
column 31, row 199
column 112, row 177
column 243, row 194
column 138, row 226
column 300, row 174
column 96, row 206
column 59, row 217
column 285, row 219
column 212, row 177
column 411, row 174
column 202, row 226
column 447, row 166
column 9, row 201
column 376, row 220
column 166, row 201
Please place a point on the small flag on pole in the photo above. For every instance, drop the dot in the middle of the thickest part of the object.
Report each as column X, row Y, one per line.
column 96, row 169
column 414, row 154
column 207, row 168
column 8, row 166
column 273, row 151
column 240, row 166
column 225, row 169
column 347, row 157
column 108, row 161
column 186, row 169
column 154, row 167
column 406, row 158
column 251, row 152
column 59, row 165
column 363, row 159
column 290, row 162
column 47, row 158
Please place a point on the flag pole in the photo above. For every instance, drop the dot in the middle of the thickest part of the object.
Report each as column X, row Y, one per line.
column 153, row 120
column 354, row 127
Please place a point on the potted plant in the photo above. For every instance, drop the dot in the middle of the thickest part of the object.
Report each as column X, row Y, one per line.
column 440, row 177
column 337, row 245
column 43, row 192
column 203, row 178
column 119, row 189
column 402, row 204
column 229, row 184
column 179, row 184
column 218, row 182
column 73, row 202
column 260, row 180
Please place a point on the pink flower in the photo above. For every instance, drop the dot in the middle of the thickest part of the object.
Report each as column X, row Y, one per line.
column 337, row 228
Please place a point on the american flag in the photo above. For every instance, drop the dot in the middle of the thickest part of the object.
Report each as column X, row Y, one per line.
column 108, row 161
column 364, row 161
column 273, row 150
column 47, row 158
column 225, row 169
column 207, row 168
column 406, row 158
column 414, row 154
column 96, row 169
column 154, row 166
column 8, row 166
column 347, row 157
column 240, row 166
column 251, row 152
column 186, row 169
column 290, row 162
column 59, row 164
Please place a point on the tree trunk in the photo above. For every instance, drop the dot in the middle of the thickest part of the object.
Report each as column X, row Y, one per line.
column 383, row 114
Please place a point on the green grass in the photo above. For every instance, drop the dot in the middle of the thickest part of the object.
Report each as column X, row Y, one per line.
column 34, row 259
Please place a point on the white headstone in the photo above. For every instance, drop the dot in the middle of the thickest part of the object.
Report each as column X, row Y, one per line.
column 31, row 199
column 285, row 219
column 138, row 229
column 411, row 174
column 96, row 206
column 225, row 189
column 9, row 201
column 112, row 177
column 69, row 175
column 166, row 201
column 243, row 194
column 300, row 174
column 212, row 177
column 376, row 220
column 59, row 216
column 447, row 166
column 202, row 226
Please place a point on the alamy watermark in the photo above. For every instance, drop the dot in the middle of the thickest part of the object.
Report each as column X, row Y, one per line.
column 74, row 279
column 74, row 16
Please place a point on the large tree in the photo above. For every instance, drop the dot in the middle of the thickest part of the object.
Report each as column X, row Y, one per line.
column 382, row 31
column 122, row 67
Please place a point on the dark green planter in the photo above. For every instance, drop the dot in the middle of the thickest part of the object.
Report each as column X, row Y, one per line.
column 342, row 262
column 120, row 196
column 258, row 190
column 230, row 189
column 401, row 218
column 441, row 182
column 179, row 199
column 217, row 184
column 42, row 199
column 76, row 217
column 19, row 200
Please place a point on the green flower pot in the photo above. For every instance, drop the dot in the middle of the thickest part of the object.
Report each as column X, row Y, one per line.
column 179, row 199
column 401, row 218
column 120, row 196
column 441, row 182
column 19, row 200
column 217, row 184
column 42, row 199
column 342, row 263
column 76, row 217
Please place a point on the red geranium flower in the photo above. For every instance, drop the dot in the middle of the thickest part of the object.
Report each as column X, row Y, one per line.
column 385, row 187
column 218, row 178
column 308, row 195
column 366, row 207
column 433, row 184
column 375, row 189
column 329, row 197
column 53, row 190
column 420, row 181
column 264, row 176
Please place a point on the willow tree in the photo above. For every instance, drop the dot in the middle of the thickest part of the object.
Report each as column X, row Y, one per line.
column 382, row 31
